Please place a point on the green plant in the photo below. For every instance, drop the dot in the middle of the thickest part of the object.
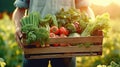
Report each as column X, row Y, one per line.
column 112, row 64
column 111, row 49
column 2, row 63
column 9, row 49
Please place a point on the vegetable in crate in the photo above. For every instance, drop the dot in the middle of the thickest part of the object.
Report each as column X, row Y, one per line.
column 77, row 27
column 74, row 35
column 54, row 29
column 71, row 27
column 30, row 26
column 32, row 19
column 53, row 35
column 69, row 16
column 48, row 21
column 63, row 30
column 83, row 21
column 42, row 35
column 101, row 23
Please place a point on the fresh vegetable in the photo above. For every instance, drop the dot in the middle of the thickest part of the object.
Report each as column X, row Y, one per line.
column 49, row 19
column 77, row 26
column 69, row 16
column 32, row 19
column 54, row 29
column 54, row 20
column 83, row 21
column 74, row 35
column 36, row 34
column 30, row 26
column 63, row 30
column 71, row 27
column 44, row 22
column 31, row 37
column 42, row 35
column 87, row 31
column 53, row 35
column 65, row 23
column 101, row 23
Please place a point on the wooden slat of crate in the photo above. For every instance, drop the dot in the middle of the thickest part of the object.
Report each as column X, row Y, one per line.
column 92, row 48
column 73, row 40
column 60, row 52
column 91, row 39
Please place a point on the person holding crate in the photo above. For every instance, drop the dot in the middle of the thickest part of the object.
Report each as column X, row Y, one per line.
column 47, row 7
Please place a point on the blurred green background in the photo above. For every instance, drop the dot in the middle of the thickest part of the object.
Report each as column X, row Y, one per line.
column 12, row 54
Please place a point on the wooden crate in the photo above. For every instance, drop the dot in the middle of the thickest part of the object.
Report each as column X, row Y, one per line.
column 68, row 51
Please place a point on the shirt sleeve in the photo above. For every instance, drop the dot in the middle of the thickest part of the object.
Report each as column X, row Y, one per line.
column 21, row 3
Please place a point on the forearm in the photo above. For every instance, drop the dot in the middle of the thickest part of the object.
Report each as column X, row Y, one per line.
column 17, row 15
column 83, row 5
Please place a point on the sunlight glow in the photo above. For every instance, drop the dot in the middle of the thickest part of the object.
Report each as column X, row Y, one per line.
column 101, row 2
column 117, row 1
column 105, row 2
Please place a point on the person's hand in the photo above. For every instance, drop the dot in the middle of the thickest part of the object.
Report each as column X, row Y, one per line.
column 16, row 17
column 18, row 36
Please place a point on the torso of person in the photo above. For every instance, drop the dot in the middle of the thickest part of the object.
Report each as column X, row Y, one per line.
column 45, row 7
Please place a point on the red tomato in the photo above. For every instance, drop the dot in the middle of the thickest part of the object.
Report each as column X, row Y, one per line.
column 54, row 29
column 55, row 45
column 52, row 35
column 63, row 30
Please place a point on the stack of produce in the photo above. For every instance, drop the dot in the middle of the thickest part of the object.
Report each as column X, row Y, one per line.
column 33, row 32
column 70, row 23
